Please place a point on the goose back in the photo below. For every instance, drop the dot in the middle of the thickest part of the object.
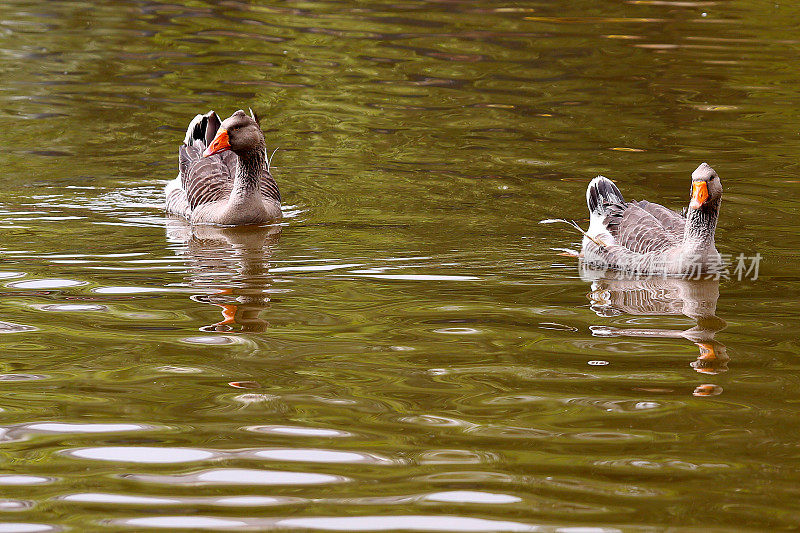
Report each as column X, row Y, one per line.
column 642, row 228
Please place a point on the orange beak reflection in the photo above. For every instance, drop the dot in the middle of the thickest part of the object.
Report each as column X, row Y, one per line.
column 219, row 144
column 707, row 389
column 706, row 351
column 699, row 194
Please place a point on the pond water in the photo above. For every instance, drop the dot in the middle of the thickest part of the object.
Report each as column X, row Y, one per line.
column 408, row 350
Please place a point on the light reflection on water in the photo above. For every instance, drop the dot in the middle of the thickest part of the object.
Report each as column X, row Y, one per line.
column 406, row 350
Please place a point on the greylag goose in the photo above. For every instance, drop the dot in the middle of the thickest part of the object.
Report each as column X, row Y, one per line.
column 223, row 173
column 647, row 238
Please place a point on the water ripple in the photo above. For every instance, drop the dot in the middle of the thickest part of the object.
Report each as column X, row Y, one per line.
column 8, row 327
column 239, row 476
column 333, row 523
column 142, row 454
column 163, row 455
column 74, row 308
column 298, row 431
column 322, row 456
column 15, row 505
column 24, row 431
column 13, row 479
column 46, row 284
column 220, row 501
column 405, row 522
column 21, row 377
column 20, row 527
column 472, row 496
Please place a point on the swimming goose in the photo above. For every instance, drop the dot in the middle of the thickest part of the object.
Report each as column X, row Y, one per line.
column 223, row 173
column 646, row 238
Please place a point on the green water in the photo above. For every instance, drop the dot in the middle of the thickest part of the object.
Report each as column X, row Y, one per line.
column 409, row 351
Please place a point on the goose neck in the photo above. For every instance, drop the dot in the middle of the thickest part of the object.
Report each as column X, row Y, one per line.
column 250, row 168
column 701, row 225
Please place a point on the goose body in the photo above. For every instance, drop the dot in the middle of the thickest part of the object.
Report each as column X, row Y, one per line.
column 647, row 238
column 223, row 176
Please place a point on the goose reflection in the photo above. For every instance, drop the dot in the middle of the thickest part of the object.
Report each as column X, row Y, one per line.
column 231, row 266
column 658, row 296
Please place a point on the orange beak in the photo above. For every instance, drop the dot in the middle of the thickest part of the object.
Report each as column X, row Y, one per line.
column 219, row 144
column 699, row 194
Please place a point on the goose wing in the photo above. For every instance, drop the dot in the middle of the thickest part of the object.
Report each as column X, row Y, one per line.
column 204, row 179
column 640, row 229
column 269, row 187
column 209, row 179
column 671, row 221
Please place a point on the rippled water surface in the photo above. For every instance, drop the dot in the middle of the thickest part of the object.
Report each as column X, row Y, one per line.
column 407, row 350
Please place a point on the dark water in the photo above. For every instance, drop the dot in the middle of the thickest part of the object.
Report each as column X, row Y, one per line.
column 410, row 352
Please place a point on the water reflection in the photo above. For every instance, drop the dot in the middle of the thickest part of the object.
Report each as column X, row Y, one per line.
column 231, row 266
column 654, row 296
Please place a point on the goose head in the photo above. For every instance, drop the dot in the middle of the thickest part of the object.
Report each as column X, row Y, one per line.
column 706, row 188
column 238, row 133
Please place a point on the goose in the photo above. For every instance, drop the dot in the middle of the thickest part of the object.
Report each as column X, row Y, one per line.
column 647, row 238
column 223, row 173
